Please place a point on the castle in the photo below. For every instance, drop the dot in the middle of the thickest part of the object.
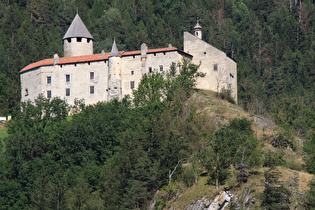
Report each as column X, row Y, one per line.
column 80, row 74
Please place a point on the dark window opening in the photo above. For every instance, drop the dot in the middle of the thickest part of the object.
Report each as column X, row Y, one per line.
column 215, row 67
column 204, row 53
column 68, row 78
column 132, row 84
column 150, row 69
column 161, row 67
column 231, row 75
column 75, row 64
column 91, row 89
column 154, row 54
column 115, row 88
column 60, row 66
column 88, row 40
column 91, row 75
column 79, row 39
column 133, row 56
column 49, row 80
column 48, row 93
column 68, row 92
column 164, row 53
column 132, row 72
column 69, row 40
column 26, row 92
column 89, row 63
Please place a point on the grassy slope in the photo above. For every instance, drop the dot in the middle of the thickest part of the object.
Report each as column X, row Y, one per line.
column 220, row 112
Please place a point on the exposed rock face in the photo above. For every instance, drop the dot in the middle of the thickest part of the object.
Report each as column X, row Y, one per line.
column 219, row 202
column 263, row 122
column 198, row 205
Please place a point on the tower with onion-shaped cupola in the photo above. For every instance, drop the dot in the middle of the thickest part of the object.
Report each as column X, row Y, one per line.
column 198, row 30
column 78, row 40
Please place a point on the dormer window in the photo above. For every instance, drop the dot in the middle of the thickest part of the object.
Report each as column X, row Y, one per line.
column 69, row 40
column 79, row 39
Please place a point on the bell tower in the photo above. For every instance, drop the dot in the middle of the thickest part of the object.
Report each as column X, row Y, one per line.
column 78, row 40
column 198, row 30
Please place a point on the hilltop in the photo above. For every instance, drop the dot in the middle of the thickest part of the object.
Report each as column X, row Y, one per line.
column 290, row 168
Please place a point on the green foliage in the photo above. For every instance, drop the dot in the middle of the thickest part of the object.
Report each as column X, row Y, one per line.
column 226, row 94
column 309, row 148
column 232, row 144
column 310, row 196
column 272, row 159
column 275, row 195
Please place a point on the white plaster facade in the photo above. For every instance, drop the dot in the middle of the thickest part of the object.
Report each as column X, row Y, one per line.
column 101, row 77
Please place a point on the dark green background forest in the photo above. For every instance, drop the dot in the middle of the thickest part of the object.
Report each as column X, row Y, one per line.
column 115, row 155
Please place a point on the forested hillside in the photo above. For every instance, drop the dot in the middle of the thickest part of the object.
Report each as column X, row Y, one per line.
column 117, row 154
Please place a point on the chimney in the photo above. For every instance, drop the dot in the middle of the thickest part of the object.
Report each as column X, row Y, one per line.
column 170, row 46
column 144, row 50
column 56, row 59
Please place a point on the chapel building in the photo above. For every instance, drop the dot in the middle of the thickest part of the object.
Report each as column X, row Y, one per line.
column 80, row 74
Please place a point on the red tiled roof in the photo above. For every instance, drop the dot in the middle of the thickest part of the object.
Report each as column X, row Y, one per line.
column 90, row 58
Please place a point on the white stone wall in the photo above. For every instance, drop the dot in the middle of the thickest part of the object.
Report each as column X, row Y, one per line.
column 36, row 82
column 75, row 48
column 31, row 84
column 210, row 56
column 134, row 63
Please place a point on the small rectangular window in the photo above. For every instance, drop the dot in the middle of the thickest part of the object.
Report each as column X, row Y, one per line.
column 215, row 67
column 26, row 92
column 231, row 75
column 161, row 67
column 79, row 39
column 132, row 84
column 68, row 92
column 48, row 93
column 69, row 40
column 91, row 89
column 132, row 72
column 150, row 69
column 68, row 78
column 91, row 75
column 49, row 80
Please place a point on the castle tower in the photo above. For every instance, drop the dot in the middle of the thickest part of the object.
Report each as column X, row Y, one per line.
column 78, row 40
column 198, row 31
column 114, row 74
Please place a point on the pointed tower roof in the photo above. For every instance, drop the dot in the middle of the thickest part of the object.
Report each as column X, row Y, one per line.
column 197, row 25
column 78, row 29
column 114, row 52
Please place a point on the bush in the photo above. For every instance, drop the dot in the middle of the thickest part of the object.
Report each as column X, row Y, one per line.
column 188, row 177
column 226, row 95
column 273, row 159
